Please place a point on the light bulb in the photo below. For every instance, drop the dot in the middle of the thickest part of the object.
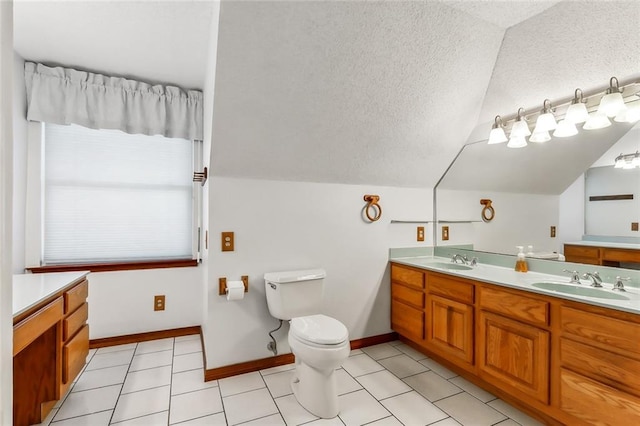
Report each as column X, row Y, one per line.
column 629, row 115
column 546, row 121
column 565, row 129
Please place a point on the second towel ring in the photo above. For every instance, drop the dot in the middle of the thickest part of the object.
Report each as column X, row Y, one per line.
column 488, row 212
column 372, row 204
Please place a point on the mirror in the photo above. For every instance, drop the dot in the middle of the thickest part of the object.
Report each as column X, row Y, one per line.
column 538, row 187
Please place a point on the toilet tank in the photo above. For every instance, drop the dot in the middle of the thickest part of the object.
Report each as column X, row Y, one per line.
column 292, row 294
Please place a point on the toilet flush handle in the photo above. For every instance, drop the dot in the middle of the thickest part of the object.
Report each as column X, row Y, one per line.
column 273, row 286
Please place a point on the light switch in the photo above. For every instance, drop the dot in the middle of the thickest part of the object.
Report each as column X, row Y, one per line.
column 553, row 232
column 445, row 233
column 420, row 233
column 634, row 226
column 227, row 241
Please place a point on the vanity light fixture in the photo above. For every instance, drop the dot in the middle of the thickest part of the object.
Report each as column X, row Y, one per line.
column 612, row 103
column 546, row 121
column 593, row 109
column 577, row 111
column 497, row 134
column 628, row 161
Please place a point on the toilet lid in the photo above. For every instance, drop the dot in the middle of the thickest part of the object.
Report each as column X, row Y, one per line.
column 319, row 329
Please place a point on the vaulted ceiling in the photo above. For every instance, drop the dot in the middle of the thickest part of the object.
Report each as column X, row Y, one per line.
column 356, row 92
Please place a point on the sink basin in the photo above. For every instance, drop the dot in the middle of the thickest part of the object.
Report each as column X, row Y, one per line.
column 580, row 291
column 452, row 266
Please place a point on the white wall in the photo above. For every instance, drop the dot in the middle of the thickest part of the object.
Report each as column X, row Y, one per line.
column 571, row 222
column 520, row 220
column 121, row 302
column 296, row 225
column 19, row 164
column 6, row 179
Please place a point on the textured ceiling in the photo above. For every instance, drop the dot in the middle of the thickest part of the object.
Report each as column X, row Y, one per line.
column 153, row 41
column 502, row 13
column 350, row 92
column 573, row 44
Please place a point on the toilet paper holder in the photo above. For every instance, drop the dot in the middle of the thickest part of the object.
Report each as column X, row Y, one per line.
column 222, row 285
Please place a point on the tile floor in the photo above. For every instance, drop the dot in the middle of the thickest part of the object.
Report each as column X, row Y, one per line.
column 161, row 383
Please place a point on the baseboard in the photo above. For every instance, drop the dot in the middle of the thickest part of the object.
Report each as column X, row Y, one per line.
column 374, row 340
column 143, row 337
column 261, row 364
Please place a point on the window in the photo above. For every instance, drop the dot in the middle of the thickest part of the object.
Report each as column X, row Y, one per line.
column 109, row 196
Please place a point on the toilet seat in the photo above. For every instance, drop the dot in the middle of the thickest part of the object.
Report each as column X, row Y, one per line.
column 319, row 330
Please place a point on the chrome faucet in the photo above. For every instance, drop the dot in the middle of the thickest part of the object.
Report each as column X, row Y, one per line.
column 461, row 258
column 474, row 261
column 596, row 281
column 575, row 276
column 618, row 286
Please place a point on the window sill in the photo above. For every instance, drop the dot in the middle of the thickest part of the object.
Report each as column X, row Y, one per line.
column 122, row 266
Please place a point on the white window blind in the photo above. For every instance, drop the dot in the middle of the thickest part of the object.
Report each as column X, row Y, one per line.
column 110, row 196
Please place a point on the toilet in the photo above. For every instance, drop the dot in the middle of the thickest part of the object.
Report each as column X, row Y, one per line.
column 320, row 343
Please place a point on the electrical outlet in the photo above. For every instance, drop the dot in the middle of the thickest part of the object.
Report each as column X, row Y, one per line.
column 158, row 303
column 227, row 241
column 445, row 233
column 634, row 226
column 553, row 232
column 420, row 233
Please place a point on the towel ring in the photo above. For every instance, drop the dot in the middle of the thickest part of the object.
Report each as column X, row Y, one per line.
column 488, row 212
column 372, row 204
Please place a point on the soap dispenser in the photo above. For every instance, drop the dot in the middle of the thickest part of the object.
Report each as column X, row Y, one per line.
column 521, row 261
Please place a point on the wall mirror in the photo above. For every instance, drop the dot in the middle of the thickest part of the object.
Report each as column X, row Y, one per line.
column 539, row 187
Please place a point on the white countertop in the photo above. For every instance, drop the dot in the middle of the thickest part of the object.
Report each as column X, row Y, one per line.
column 507, row 277
column 608, row 244
column 30, row 289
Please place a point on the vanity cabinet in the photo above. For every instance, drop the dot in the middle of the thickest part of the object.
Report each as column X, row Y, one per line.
column 50, row 342
column 513, row 343
column 606, row 256
column 449, row 313
column 407, row 302
column 563, row 361
column 599, row 373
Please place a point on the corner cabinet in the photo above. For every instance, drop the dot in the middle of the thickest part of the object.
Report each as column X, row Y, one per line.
column 561, row 361
column 50, row 347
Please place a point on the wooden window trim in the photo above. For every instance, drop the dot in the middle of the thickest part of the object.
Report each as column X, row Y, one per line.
column 121, row 266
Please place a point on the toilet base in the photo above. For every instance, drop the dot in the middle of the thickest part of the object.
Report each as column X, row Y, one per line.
column 316, row 390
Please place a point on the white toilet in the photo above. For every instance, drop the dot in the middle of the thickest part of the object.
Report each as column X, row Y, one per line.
column 319, row 343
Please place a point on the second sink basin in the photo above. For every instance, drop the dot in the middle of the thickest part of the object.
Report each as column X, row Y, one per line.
column 580, row 291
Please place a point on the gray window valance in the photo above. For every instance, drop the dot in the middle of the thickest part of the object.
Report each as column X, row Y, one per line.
column 65, row 96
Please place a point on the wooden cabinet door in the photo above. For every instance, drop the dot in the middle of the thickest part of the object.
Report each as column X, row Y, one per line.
column 407, row 321
column 450, row 328
column 514, row 355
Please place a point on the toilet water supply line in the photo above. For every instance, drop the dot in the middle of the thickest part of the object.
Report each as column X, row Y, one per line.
column 273, row 346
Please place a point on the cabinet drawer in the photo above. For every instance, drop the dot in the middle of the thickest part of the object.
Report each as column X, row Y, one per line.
column 450, row 288
column 612, row 369
column 608, row 333
column 29, row 329
column 75, row 321
column 405, row 294
column 407, row 321
column 596, row 403
column 410, row 277
column 74, row 355
column 619, row 255
column 582, row 251
column 76, row 297
column 515, row 306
